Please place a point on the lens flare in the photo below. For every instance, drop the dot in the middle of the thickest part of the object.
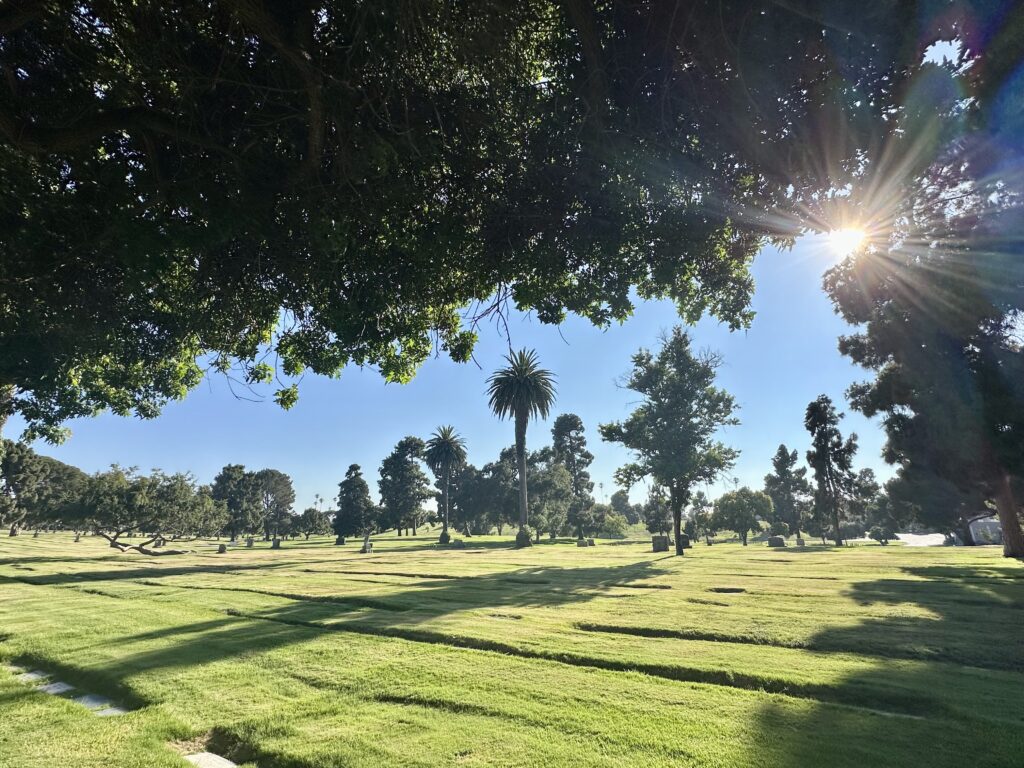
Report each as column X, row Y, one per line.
column 843, row 242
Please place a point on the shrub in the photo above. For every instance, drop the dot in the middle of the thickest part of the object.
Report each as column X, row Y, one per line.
column 881, row 534
column 779, row 528
column 614, row 526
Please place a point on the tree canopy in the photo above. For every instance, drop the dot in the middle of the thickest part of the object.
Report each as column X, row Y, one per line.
column 741, row 511
column 831, row 459
column 788, row 488
column 335, row 183
column 673, row 432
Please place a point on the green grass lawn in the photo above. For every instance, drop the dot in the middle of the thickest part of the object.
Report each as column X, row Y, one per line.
column 315, row 655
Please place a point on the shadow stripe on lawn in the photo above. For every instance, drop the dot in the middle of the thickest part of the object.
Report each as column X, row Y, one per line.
column 892, row 652
column 911, row 706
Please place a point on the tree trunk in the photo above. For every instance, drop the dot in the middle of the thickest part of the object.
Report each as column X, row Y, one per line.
column 14, row 530
column 447, row 482
column 521, row 467
column 743, row 538
column 676, row 500
column 1009, row 518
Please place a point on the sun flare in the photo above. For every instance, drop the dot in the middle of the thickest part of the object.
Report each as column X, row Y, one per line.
column 845, row 241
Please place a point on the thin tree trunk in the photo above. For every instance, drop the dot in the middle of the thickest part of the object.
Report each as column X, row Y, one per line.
column 677, row 519
column 1009, row 518
column 447, row 481
column 521, row 466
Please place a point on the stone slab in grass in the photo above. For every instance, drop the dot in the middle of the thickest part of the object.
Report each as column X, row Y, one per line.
column 209, row 760
column 92, row 701
column 111, row 712
column 14, row 669
column 56, row 688
column 35, row 676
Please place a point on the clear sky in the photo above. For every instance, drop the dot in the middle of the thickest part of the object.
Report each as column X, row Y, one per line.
column 787, row 358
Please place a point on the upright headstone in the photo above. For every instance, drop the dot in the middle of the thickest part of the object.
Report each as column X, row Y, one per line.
column 275, row 544
column 249, row 543
column 801, row 543
column 685, row 540
column 776, row 541
column 659, row 543
column 582, row 543
column 590, row 542
column 339, row 541
column 222, row 548
column 458, row 544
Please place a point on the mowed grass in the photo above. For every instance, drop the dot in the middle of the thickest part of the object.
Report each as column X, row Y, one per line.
column 314, row 655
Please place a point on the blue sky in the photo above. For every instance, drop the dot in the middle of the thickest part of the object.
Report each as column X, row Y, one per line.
column 787, row 358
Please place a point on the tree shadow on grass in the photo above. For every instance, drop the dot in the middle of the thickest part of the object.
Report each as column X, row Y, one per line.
column 962, row 696
column 248, row 628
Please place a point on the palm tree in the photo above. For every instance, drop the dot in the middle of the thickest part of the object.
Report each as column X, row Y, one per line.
column 445, row 451
column 522, row 390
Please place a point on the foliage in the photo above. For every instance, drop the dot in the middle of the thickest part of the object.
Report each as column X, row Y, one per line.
column 633, row 513
column 831, row 459
column 936, row 297
column 787, row 486
column 701, row 522
column 672, row 433
column 657, row 511
column 569, row 445
column 357, row 514
column 275, row 496
column 552, row 497
column 403, row 485
column 741, row 511
column 614, row 526
column 176, row 184
column 521, row 390
column 312, row 522
column 779, row 528
column 240, row 492
column 445, row 453
column 159, row 505
column 881, row 534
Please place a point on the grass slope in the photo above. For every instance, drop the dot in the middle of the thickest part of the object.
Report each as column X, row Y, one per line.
column 314, row 655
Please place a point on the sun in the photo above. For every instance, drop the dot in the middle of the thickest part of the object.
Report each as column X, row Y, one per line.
column 845, row 241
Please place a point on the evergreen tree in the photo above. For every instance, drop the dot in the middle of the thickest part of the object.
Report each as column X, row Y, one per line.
column 672, row 432
column 831, row 459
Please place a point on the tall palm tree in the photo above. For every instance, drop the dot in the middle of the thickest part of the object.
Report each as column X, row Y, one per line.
column 445, row 451
column 522, row 390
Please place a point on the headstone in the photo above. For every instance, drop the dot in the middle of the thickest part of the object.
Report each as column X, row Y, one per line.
column 209, row 760
column 801, row 543
column 776, row 541
column 35, row 535
column 590, row 542
column 685, row 541
column 582, row 543
column 659, row 543
column 275, row 544
column 367, row 548
column 986, row 530
column 339, row 541
column 458, row 544
column 248, row 543
column 56, row 688
column 78, row 537
column 92, row 701
column 222, row 548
